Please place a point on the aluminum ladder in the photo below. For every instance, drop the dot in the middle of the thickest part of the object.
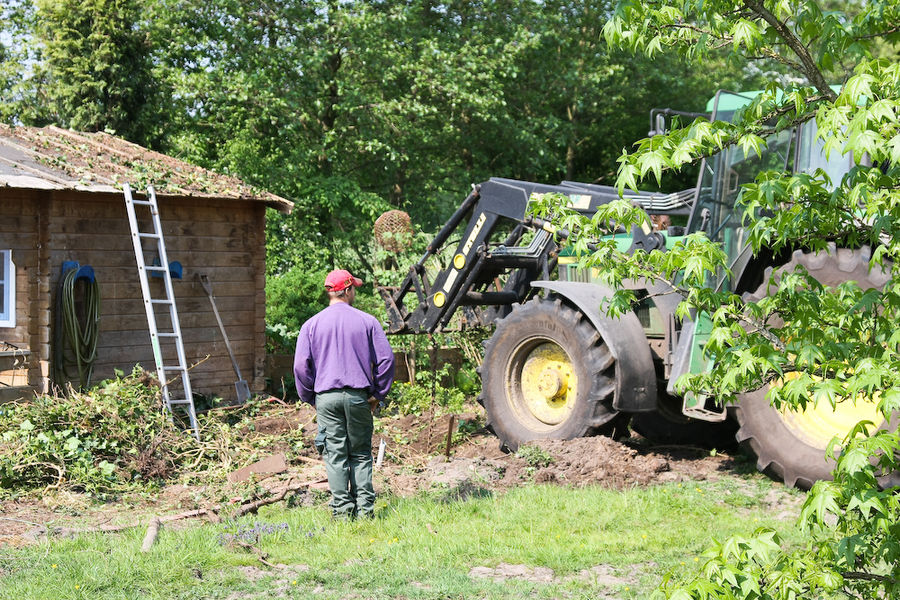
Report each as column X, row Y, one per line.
column 175, row 396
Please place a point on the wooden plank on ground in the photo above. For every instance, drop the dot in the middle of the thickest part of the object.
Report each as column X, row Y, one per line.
column 265, row 467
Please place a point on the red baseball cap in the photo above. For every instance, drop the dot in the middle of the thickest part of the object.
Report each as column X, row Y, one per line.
column 340, row 279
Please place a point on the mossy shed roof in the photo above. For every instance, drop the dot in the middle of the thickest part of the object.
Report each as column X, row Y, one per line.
column 52, row 158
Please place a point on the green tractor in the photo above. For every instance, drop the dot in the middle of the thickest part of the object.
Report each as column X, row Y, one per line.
column 557, row 366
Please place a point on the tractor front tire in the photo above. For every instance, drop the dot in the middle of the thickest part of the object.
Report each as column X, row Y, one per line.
column 791, row 445
column 547, row 373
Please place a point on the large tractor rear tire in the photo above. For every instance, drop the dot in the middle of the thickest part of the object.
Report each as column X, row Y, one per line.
column 547, row 374
column 791, row 445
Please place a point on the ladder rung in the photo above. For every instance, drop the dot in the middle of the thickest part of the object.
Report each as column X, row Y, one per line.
column 160, row 302
column 167, row 335
column 180, row 401
column 142, row 202
column 149, row 235
column 179, row 368
column 155, row 268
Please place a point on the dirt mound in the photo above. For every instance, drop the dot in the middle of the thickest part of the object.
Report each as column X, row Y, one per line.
column 416, row 455
column 284, row 421
column 416, row 459
column 426, row 434
column 604, row 461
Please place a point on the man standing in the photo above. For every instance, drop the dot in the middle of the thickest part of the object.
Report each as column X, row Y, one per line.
column 344, row 366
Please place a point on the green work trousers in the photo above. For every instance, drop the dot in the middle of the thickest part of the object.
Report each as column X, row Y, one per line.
column 346, row 419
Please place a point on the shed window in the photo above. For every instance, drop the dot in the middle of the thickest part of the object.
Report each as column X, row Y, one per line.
column 7, row 289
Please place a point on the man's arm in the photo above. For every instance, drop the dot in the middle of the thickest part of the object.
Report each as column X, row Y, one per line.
column 304, row 368
column 383, row 367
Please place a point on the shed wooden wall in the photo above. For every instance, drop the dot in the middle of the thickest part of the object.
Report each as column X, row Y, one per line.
column 221, row 238
column 23, row 228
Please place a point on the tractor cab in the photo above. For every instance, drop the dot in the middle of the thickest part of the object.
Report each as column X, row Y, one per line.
column 716, row 210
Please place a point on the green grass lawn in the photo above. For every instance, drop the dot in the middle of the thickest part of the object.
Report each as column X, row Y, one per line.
column 597, row 542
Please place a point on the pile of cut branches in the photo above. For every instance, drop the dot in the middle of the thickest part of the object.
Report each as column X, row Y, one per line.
column 117, row 436
column 94, row 440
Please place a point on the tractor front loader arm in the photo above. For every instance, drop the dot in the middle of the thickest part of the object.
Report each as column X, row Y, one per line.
column 500, row 252
column 479, row 261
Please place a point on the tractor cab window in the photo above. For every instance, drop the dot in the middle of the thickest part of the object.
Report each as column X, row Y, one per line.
column 811, row 156
column 7, row 290
column 721, row 177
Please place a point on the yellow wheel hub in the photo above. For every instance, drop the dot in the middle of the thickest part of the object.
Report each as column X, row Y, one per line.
column 548, row 384
column 819, row 423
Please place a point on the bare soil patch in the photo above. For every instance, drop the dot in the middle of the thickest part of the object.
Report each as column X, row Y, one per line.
column 416, row 459
column 602, row 575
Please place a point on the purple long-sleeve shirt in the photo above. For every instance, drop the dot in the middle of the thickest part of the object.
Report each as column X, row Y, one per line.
column 342, row 347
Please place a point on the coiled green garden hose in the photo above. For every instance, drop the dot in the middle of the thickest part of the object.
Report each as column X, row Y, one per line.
column 77, row 335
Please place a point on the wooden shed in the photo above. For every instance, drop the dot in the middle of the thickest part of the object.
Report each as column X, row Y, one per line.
column 61, row 200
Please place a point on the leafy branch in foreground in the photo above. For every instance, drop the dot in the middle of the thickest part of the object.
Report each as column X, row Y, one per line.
column 852, row 550
column 818, row 344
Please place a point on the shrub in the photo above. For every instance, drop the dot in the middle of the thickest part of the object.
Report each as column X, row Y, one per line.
column 117, row 435
column 291, row 299
column 416, row 398
column 299, row 294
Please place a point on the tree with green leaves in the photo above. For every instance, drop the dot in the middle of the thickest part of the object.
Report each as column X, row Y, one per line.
column 350, row 108
column 96, row 54
column 812, row 344
column 589, row 100
column 22, row 73
column 346, row 108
